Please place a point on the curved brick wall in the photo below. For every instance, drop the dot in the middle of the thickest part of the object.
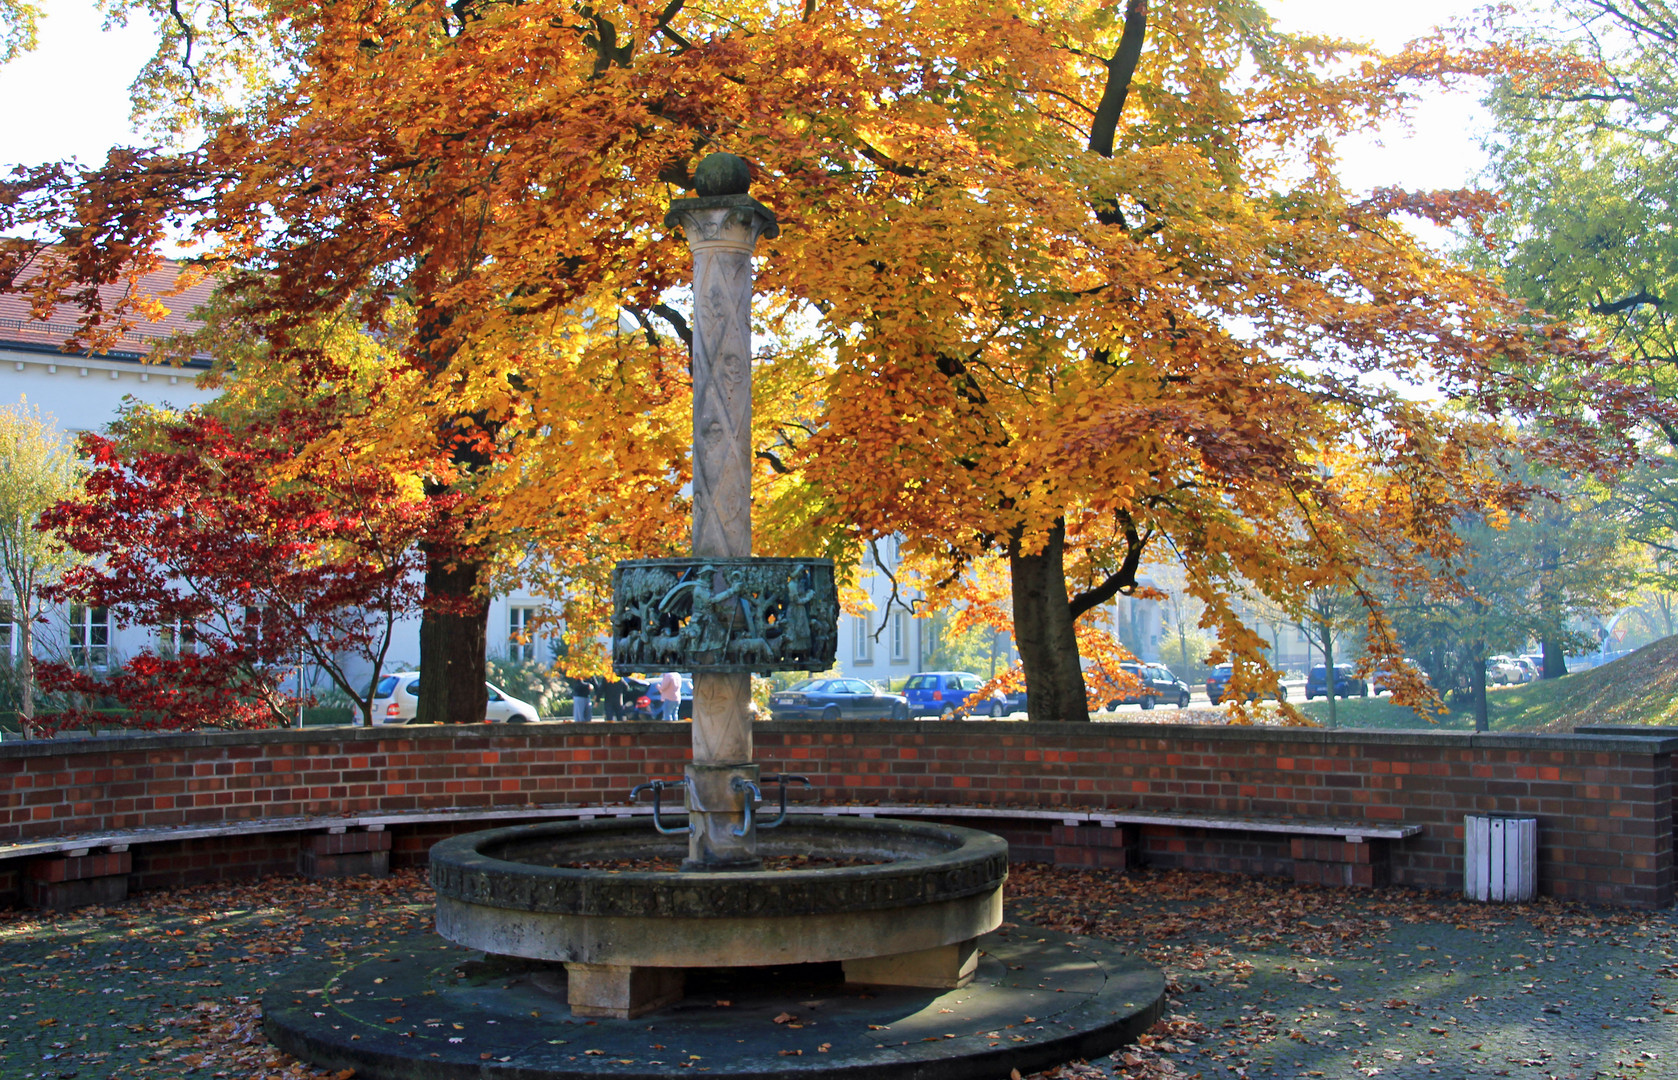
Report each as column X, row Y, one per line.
column 1605, row 803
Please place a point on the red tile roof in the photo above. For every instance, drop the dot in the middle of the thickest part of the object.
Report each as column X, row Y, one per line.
column 19, row 328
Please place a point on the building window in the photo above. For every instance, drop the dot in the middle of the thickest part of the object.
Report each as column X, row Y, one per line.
column 90, row 637
column 177, row 639
column 864, row 641
column 8, row 631
column 521, row 635
column 258, row 626
column 900, row 635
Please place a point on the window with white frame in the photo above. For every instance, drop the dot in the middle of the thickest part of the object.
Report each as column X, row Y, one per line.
column 258, row 626
column 8, row 631
column 900, row 635
column 90, row 637
column 178, row 638
column 864, row 641
column 521, row 634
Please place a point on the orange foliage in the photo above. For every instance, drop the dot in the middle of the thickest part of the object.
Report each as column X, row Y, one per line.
column 997, row 328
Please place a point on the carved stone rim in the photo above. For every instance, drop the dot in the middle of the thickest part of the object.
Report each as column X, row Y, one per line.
column 725, row 560
column 466, row 868
column 770, row 227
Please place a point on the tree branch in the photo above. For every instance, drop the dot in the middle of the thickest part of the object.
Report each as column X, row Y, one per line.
column 1120, row 69
column 1636, row 299
column 1122, row 580
column 677, row 323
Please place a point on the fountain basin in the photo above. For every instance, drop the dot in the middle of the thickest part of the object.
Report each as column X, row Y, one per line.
column 509, row 892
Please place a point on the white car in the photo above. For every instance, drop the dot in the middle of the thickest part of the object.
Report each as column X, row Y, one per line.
column 1503, row 669
column 396, row 700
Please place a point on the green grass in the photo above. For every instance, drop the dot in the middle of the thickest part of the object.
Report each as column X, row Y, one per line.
column 1639, row 689
column 1382, row 713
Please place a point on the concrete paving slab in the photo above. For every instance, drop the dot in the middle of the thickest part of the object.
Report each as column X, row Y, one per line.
column 442, row 1012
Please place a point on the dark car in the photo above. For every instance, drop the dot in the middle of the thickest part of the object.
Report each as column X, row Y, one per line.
column 650, row 704
column 1346, row 682
column 835, row 699
column 944, row 693
column 1217, row 683
column 1157, row 684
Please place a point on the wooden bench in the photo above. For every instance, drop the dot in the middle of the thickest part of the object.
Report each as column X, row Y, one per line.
column 1324, row 851
column 87, row 868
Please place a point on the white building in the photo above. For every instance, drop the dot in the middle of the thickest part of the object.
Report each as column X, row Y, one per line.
column 885, row 643
column 78, row 393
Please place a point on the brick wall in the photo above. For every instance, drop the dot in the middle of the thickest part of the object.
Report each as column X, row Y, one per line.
column 1605, row 802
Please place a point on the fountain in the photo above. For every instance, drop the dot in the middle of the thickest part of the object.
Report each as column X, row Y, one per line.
column 619, row 919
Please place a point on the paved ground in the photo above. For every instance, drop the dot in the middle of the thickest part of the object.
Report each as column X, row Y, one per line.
column 1269, row 980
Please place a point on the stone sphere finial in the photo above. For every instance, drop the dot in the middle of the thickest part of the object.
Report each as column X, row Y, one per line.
column 722, row 174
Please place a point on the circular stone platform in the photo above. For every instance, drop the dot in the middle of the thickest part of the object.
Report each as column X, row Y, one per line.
column 439, row 1011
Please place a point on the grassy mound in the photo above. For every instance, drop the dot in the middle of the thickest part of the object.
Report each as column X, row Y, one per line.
column 1639, row 689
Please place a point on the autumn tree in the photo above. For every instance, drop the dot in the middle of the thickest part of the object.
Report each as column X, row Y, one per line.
column 501, row 235
column 1052, row 286
column 19, row 24
column 246, row 561
column 1121, row 298
column 37, row 469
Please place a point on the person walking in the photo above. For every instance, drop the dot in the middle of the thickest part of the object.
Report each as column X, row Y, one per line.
column 582, row 707
column 611, row 698
column 670, row 695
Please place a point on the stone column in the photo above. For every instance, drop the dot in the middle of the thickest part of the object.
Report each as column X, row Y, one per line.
column 722, row 227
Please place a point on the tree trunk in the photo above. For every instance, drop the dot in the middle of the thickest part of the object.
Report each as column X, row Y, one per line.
column 26, row 670
column 1043, row 631
column 1477, row 686
column 1551, row 608
column 1555, row 662
column 452, row 643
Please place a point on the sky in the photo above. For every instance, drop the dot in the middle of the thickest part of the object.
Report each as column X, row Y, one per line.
column 85, row 71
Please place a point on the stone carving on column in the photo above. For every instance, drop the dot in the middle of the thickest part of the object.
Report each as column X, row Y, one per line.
column 723, row 615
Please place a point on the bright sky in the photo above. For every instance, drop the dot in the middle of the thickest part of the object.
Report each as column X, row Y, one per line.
column 74, row 90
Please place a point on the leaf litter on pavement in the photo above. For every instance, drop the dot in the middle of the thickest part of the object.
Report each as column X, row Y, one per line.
column 1264, row 978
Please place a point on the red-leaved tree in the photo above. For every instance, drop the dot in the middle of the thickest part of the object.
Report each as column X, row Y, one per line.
column 248, row 559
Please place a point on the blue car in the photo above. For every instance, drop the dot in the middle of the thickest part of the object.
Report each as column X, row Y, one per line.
column 944, row 694
column 837, row 699
column 1346, row 682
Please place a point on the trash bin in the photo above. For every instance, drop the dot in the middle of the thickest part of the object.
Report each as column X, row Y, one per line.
column 1500, row 857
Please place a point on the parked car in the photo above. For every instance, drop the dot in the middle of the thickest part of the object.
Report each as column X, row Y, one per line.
column 1384, row 679
column 649, row 705
column 1503, row 669
column 943, row 693
column 396, row 701
column 835, row 699
column 1002, row 703
column 1157, row 684
column 1217, row 684
column 1529, row 671
column 1346, row 682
